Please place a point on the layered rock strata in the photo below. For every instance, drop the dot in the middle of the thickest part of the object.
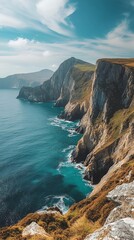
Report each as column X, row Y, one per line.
column 109, row 132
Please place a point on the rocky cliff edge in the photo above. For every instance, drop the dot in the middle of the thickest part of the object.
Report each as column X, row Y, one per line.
column 109, row 121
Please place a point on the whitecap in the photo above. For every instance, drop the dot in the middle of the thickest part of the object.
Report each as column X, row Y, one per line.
column 68, row 148
column 64, row 125
column 62, row 202
column 69, row 156
column 65, row 164
column 72, row 132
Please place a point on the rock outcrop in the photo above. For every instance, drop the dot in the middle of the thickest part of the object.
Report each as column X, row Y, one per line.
column 110, row 119
column 34, row 229
column 122, row 229
column 120, row 222
column 123, row 195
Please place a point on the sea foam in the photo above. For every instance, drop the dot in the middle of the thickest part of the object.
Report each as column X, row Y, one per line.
column 62, row 202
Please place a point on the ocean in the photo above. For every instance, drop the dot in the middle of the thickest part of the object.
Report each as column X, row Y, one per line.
column 35, row 167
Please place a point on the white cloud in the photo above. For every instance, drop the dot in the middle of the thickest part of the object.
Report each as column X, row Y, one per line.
column 37, row 14
column 19, row 43
column 10, row 21
column 120, row 40
column 54, row 13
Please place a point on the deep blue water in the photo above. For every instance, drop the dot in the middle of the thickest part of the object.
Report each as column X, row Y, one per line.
column 35, row 167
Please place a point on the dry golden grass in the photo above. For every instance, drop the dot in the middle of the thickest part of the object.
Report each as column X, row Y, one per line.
column 83, row 86
column 85, row 67
column 98, row 207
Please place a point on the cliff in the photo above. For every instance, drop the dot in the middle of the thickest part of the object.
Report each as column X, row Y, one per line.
column 106, row 149
column 68, row 85
column 25, row 79
column 109, row 131
column 78, row 88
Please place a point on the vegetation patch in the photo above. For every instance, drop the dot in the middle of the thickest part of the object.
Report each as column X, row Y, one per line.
column 85, row 67
column 129, row 62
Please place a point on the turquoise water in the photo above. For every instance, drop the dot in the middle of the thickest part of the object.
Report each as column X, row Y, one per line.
column 35, row 167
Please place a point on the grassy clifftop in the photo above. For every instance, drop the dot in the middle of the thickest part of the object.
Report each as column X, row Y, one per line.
column 127, row 61
column 85, row 67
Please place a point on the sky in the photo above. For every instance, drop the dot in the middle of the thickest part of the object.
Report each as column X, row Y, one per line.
column 39, row 34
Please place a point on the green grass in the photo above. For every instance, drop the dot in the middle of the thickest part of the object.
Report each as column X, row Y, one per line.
column 83, row 83
column 119, row 118
column 85, row 67
column 114, row 126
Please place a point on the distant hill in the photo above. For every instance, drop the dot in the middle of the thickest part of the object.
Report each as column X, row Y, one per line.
column 26, row 79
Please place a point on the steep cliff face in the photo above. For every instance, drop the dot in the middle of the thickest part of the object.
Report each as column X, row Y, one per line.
column 69, row 87
column 78, row 90
column 110, row 125
column 51, row 89
column 36, row 94
column 113, row 89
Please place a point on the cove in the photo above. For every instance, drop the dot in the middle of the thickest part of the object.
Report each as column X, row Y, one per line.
column 35, row 167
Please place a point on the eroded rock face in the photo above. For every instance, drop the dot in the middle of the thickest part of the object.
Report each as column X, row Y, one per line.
column 124, row 196
column 113, row 89
column 34, row 230
column 79, row 88
column 120, row 222
column 109, row 120
column 120, row 230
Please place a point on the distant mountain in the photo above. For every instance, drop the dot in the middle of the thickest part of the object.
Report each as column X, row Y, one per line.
column 25, row 79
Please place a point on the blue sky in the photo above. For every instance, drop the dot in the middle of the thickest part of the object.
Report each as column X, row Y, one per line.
column 37, row 34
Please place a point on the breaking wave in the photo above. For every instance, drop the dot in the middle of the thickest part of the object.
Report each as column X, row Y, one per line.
column 61, row 202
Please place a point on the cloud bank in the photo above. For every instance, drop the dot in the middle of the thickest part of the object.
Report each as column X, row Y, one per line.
column 24, row 55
